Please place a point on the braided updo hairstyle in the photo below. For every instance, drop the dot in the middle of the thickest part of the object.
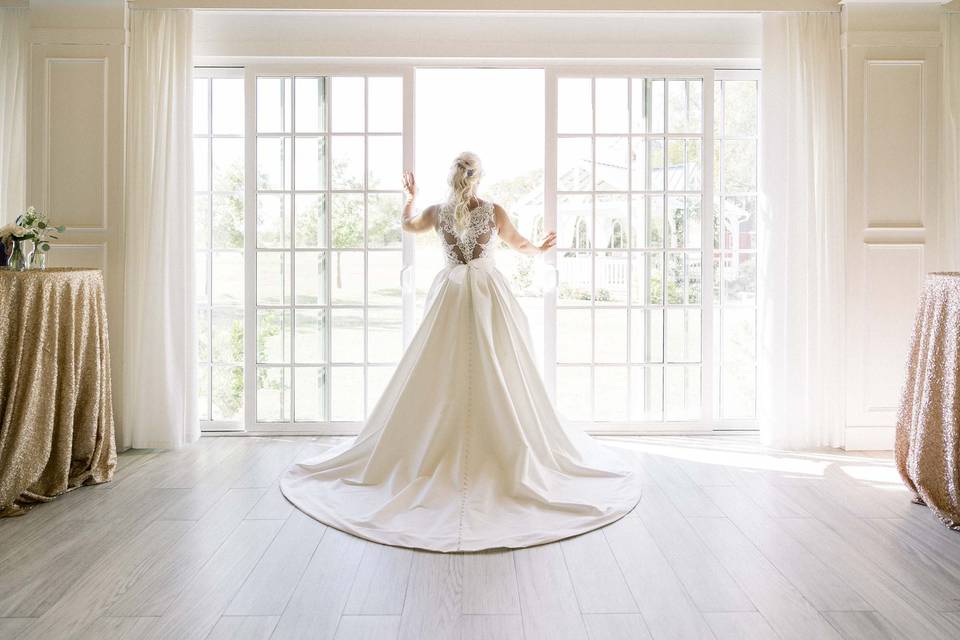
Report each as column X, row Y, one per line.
column 465, row 173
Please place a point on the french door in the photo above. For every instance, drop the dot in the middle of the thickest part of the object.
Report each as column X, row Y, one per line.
column 630, row 155
column 648, row 305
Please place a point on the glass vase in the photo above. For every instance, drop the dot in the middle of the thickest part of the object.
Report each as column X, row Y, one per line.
column 17, row 261
column 38, row 259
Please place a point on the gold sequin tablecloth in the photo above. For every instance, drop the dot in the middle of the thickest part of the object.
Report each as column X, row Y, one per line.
column 56, row 413
column 927, row 448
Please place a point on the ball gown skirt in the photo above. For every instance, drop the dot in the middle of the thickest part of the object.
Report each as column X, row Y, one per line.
column 464, row 451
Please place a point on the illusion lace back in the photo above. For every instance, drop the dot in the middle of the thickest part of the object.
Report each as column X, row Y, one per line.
column 464, row 450
column 477, row 239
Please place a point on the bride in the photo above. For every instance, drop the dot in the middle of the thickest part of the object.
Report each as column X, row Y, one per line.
column 464, row 450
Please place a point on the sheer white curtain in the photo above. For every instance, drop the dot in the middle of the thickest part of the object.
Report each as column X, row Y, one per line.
column 951, row 142
column 803, row 226
column 159, row 370
column 14, row 27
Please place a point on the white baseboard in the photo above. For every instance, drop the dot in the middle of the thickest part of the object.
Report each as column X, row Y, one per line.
column 869, row 438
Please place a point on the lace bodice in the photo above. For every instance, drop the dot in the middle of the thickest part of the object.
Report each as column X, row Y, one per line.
column 477, row 240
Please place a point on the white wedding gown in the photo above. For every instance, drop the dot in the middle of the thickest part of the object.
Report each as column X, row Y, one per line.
column 464, row 450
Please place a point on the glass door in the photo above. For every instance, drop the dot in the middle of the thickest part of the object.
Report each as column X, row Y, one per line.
column 632, row 317
column 325, row 259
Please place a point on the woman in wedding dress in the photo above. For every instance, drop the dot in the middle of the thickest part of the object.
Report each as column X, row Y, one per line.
column 464, row 450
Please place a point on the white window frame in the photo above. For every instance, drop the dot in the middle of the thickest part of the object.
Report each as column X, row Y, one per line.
column 709, row 420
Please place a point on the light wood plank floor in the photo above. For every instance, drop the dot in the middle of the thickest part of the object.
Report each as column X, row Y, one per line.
column 729, row 541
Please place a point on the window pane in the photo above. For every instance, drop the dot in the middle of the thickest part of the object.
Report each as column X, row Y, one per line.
column 227, row 385
column 227, row 164
column 273, row 163
column 227, row 105
column 574, row 164
column 646, row 393
column 573, row 392
column 273, row 105
column 612, row 164
column 310, row 105
column 311, row 277
column 347, row 335
column 610, row 335
column 227, row 277
column 611, row 277
column 347, row 393
column 311, row 220
column 273, row 336
column 640, row 107
column 311, row 336
column 384, row 162
column 385, row 111
column 347, row 222
column 310, row 164
column 739, row 334
column 201, row 164
column 684, row 161
column 656, row 107
column 740, row 222
column 740, row 108
column 740, row 278
column 385, row 334
column 201, row 106
column 574, row 328
column 739, row 166
column 383, row 220
column 611, row 221
column 682, row 392
column 273, row 278
column 646, row 335
column 273, row 220
column 685, row 99
column 346, row 158
column 576, row 277
column 228, row 221
column 347, row 277
column 273, row 394
column 574, row 213
column 683, row 335
column 610, row 393
column 611, row 100
column 654, row 165
column 738, row 398
column 384, row 277
column 310, row 383
column 574, row 110
column 347, row 114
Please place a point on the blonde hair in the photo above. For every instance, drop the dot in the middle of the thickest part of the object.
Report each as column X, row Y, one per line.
column 465, row 173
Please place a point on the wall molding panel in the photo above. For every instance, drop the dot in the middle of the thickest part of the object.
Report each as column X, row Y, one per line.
column 75, row 134
column 892, row 82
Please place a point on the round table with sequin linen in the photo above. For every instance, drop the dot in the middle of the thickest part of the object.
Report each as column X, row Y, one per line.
column 927, row 449
column 56, row 411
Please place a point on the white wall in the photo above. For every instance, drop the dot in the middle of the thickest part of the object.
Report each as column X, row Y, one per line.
column 892, row 60
column 75, row 144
